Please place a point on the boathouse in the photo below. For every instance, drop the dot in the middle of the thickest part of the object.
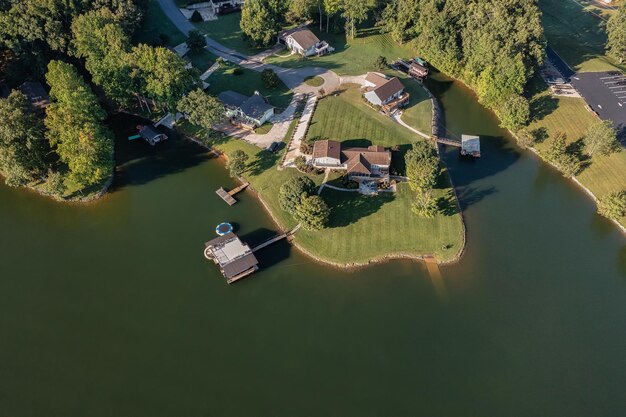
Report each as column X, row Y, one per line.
column 470, row 146
column 234, row 257
column 151, row 135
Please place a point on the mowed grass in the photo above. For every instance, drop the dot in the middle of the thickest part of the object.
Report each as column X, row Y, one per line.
column 577, row 35
column 202, row 60
column 157, row 29
column 419, row 113
column 346, row 118
column 351, row 56
column 226, row 31
column 605, row 174
column 247, row 83
column 361, row 227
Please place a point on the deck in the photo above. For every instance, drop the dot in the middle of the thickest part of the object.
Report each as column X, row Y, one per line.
column 227, row 196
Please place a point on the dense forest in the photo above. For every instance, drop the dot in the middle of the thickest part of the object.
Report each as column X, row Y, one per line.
column 492, row 45
column 83, row 51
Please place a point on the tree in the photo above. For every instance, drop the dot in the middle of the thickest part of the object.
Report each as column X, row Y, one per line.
column 422, row 166
column 613, row 205
column 601, row 138
column 259, row 22
column 55, row 184
column 355, row 11
column 22, row 145
column 425, row 205
column 514, row 113
column 312, row 213
column 291, row 192
column 399, row 18
column 559, row 154
column 237, row 163
column 331, row 8
column 104, row 45
column 161, row 74
column 202, row 109
column 195, row 41
column 196, row 17
column 270, row 78
column 300, row 10
column 616, row 30
column 380, row 63
column 525, row 138
column 76, row 129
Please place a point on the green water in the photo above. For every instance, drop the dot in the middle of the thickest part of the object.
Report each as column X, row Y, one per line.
column 110, row 309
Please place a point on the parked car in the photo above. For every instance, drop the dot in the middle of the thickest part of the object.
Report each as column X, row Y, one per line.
column 274, row 147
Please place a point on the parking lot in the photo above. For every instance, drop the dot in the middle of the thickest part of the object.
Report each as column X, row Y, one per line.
column 605, row 93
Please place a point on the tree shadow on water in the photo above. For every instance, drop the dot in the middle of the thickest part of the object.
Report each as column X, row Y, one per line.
column 469, row 196
column 272, row 254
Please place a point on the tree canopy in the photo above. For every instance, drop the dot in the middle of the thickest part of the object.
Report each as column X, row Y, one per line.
column 201, row 109
column 261, row 20
column 616, row 30
column 422, row 166
column 291, row 192
column 22, row 148
column 601, row 138
column 312, row 213
column 76, row 129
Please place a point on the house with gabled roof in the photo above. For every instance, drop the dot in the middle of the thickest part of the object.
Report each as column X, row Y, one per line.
column 386, row 93
column 371, row 163
column 250, row 112
column 304, row 42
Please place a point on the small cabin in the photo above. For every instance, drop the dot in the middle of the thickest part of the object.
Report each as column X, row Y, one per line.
column 151, row 135
column 417, row 70
column 470, row 146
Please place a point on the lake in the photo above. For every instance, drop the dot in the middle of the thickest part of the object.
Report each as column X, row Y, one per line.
column 110, row 309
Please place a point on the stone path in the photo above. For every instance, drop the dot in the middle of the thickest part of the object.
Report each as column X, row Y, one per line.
column 293, row 150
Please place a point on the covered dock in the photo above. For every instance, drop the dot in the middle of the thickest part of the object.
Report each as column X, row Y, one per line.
column 234, row 257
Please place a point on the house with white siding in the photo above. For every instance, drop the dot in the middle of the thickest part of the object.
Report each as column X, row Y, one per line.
column 304, row 42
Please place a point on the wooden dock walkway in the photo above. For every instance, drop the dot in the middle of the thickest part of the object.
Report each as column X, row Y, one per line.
column 276, row 239
column 447, row 141
column 227, row 196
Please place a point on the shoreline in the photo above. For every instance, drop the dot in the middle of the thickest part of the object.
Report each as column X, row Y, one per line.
column 353, row 265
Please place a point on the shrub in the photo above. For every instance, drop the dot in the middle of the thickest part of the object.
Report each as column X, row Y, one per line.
column 195, row 41
column 613, row 205
column 291, row 192
column 270, row 78
column 312, row 213
column 380, row 63
column 196, row 17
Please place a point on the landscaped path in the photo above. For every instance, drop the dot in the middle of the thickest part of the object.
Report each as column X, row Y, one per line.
column 397, row 117
column 293, row 149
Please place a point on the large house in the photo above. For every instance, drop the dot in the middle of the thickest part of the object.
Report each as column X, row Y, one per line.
column 387, row 93
column 304, row 42
column 249, row 112
column 371, row 163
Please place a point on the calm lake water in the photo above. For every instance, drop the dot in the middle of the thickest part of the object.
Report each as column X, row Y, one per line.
column 109, row 309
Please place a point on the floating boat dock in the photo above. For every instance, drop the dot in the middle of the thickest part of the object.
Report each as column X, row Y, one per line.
column 227, row 196
column 234, row 257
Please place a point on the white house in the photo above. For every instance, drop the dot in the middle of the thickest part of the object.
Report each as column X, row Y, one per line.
column 381, row 91
column 250, row 112
column 304, row 42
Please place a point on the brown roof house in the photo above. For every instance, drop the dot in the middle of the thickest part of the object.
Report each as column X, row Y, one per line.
column 304, row 42
column 387, row 93
column 371, row 163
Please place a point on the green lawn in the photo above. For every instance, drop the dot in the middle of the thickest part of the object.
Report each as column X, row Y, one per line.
column 576, row 34
column 570, row 116
column 361, row 228
column 351, row 57
column 263, row 130
column 157, row 29
column 419, row 113
column 314, row 81
column 226, row 31
column 347, row 118
column 247, row 83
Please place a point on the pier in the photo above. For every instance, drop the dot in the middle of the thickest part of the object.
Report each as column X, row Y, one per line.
column 276, row 239
column 227, row 196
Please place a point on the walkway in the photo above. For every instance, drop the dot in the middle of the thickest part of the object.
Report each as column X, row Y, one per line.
column 281, row 125
column 293, row 150
column 397, row 117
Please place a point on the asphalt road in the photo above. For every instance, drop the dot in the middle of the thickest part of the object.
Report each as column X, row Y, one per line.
column 605, row 93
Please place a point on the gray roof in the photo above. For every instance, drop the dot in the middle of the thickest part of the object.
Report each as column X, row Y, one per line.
column 255, row 106
column 240, row 265
column 149, row 132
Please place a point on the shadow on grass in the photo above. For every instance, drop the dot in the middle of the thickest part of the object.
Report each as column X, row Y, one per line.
column 447, row 204
column 542, row 106
column 263, row 161
column 348, row 208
